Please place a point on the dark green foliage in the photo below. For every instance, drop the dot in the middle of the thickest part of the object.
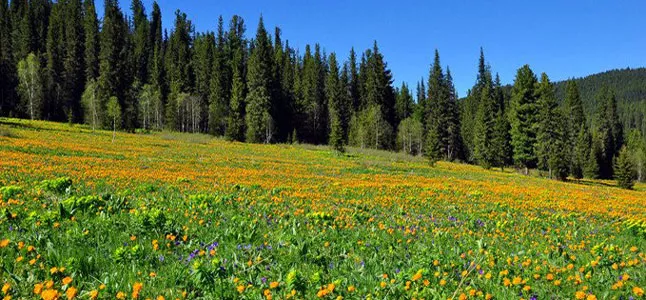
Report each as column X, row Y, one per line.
column 501, row 142
column 484, row 130
column 141, row 41
column 8, row 77
column 609, row 131
column 624, row 169
column 220, row 85
column 91, row 31
column 404, row 104
column 581, row 152
column 178, row 68
column 260, row 122
column 523, row 118
column 469, row 109
column 203, row 62
column 438, row 113
column 338, row 104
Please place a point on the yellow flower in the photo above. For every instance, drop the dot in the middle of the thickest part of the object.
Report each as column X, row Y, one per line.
column 638, row 291
column 579, row 295
column 71, row 293
column 240, row 289
column 94, row 294
column 67, row 280
column 382, row 284
column 160, row 297
column 591, row 297
column 557, row 282
column 121, row 295
column 136, row 290
column 152, row 274
column 4, row 243
column 38, row 287
column 53, row 270
column 49, row 294
column 417, row 276
column 549, row 277
column 351, row 289
column 5, row 288
column 442, row 282
column 517, row 281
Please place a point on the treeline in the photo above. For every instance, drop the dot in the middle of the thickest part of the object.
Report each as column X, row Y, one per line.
column 59, row 62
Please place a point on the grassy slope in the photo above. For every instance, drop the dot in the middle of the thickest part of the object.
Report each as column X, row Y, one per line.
column 343, row 219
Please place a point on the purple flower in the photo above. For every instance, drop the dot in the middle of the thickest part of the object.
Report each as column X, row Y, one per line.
column 161, row 258
column 264, row 280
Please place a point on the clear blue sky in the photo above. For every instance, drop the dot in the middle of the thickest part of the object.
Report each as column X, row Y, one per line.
column 561, row 38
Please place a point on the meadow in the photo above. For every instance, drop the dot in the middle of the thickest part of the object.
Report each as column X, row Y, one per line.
column 188, row 216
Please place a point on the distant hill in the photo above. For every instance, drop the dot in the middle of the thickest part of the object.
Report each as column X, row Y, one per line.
column 628, row 84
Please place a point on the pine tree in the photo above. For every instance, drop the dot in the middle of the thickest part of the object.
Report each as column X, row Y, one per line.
column 624, row 169
column 355, row 95
column 114, row 76
column 334, row 91
column 8, row 75
column 260, row 122
column 73, row 76
column 581, row 154
column 178, row 67
column 404, row 104
column 576, row 123
column 141, row 40
column 203, row 61
column 609, row 131
column 91, row 32
column 437, row 116
column 523, row 118
column 546, row 129
column 454, row 126
column 501, row 142
column 469, row 109
column 55, row 55
column 484, row 129
column 220, row 85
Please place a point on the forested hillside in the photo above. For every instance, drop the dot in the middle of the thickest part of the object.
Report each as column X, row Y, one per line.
column 59, row 62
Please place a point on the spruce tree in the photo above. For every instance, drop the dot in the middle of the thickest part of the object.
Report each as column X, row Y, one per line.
column 335, row 93
column 581, row 155
column 546, row 129
column 454, row 126
column 235, row 122
column 259, row 121
column 73, row 75
column 141, row 40
column 220, row 85
column 624, row 169
column 523, row 118
column 404, row 104
column 484, row 129
column 469, row 109
column 575, row 124
column 609, row 131
column 437, row 114
column 91, row 32
column 355, row 95
column 114, row 76
column 203, row 61
column 501, row 142
column 8, row 76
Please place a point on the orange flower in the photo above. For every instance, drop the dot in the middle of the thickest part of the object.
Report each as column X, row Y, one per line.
column 71, row 293
column 4, row 243
column 67, row 280
column 638, row 291
column 49, row 294
column 94, row 294
column 38, row 288
column 136, row 290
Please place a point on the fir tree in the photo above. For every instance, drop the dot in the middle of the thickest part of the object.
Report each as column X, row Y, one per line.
column 454, row 126
column 624, row 169
column 141, row 40
column 220, row 85
column 609, row 131
column 437, row 114
column 8, row 78
column 523, row 118
column 404, row 104
column 581, row 154
column 576, row 123
column 502, row 151
column 335, row 94
column 91, row 32
column 484, row 130
column 260, row 122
